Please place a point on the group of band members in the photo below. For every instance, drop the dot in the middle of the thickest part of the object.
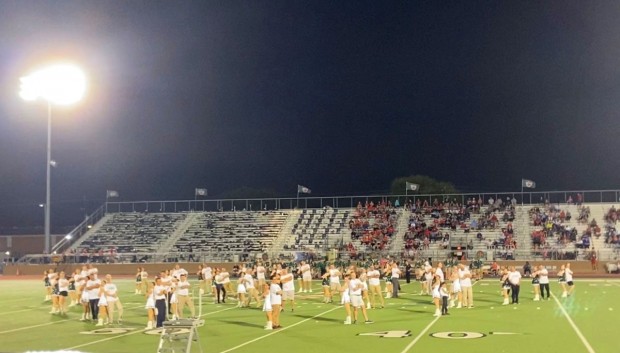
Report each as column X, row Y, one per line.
column 359, row 289
column 98, row 297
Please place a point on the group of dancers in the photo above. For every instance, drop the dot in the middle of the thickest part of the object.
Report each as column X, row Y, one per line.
column 359, row 288
column 98, row 297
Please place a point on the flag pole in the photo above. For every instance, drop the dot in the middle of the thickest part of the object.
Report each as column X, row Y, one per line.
column 522, row 196
column 297, row 196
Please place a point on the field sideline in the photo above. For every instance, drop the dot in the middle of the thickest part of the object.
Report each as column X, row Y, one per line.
column 581, row 323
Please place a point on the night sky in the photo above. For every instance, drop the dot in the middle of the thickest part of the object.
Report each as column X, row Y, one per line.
column 339, row 96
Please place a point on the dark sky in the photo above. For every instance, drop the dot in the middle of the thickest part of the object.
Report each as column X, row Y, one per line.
column 339, row 96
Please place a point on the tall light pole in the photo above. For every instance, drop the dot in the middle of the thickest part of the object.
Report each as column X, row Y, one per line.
column 59, row 84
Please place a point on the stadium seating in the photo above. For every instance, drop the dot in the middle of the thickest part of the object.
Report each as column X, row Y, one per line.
column 228, row 234
column 133, row 232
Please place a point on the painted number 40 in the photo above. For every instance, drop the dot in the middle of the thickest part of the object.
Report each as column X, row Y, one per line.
column 388, row 334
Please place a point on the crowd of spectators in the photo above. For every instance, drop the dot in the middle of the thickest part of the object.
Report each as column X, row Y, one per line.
column 554, row 232
column 373, row 225
column 612, row 238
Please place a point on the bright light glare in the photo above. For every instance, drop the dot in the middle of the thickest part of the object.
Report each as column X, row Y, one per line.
column 68, row 236
column 60, row 84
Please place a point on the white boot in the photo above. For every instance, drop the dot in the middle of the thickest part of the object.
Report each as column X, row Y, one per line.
column 83, row 317
column 347, row 321
column 437, row 312
column 452, row 305
column 460, row 305
column 99, row 322
column 368, row 307
column 564, row 294
column 269, row 325
column 505, row 302
column 149, row 325
column 537, row 298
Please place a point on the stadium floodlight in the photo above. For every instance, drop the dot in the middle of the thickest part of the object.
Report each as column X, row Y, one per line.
column 68, row 236
column 58, row 84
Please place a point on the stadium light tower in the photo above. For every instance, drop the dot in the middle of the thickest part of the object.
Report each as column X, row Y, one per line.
column 58, row 84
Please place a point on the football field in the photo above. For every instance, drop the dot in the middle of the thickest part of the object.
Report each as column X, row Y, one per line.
column 585, row 322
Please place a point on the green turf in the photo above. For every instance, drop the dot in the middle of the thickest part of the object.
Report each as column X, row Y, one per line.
column 25, row 324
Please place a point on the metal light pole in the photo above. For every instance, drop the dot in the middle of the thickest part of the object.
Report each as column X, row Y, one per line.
column 60, row 84
column 48, row 204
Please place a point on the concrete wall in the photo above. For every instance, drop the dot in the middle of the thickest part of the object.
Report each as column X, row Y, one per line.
column 20, row 245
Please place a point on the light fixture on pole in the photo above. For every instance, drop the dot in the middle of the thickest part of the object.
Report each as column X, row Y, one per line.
column 59, row 84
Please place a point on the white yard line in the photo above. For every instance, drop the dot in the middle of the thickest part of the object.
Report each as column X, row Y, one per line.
column 45, row 324
column 423, row 332
column 33, row 326
column 131, row 333
column 19, row 311
column 574, row 326
column 280, row 330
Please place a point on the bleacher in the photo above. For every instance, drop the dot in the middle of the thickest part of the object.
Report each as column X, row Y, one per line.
column 317, row 228
column 231, row 233
column 133, row 232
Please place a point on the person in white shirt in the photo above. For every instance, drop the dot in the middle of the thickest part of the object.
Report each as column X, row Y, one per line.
column 220, row 291
column 226, row 280
column 260, row 277
column 439, row 272
column 306, row 277
column 207, row 276
column 138, row 289
column 455, row 290
column 543, row 279
column 150, row 308
column 92, row 289
column 288, row 288
column 178, row 271
column 568, row 275
column 514, row 277
column 159, row 295
column 73, row 289
column 536, row 283
column 275, row 292
column 145, row 282
column 395, row 276
column 505, row 285
column 102, row 306
column 334, row 281
column 114, row 302
column 241, row 291
column 466, row 286
column 183, row 296
column 267, row 308
column 355, row 292
column 63, row 292
column 374, row 286
column 443, row 290
column 250, row 287
column 435, row 293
